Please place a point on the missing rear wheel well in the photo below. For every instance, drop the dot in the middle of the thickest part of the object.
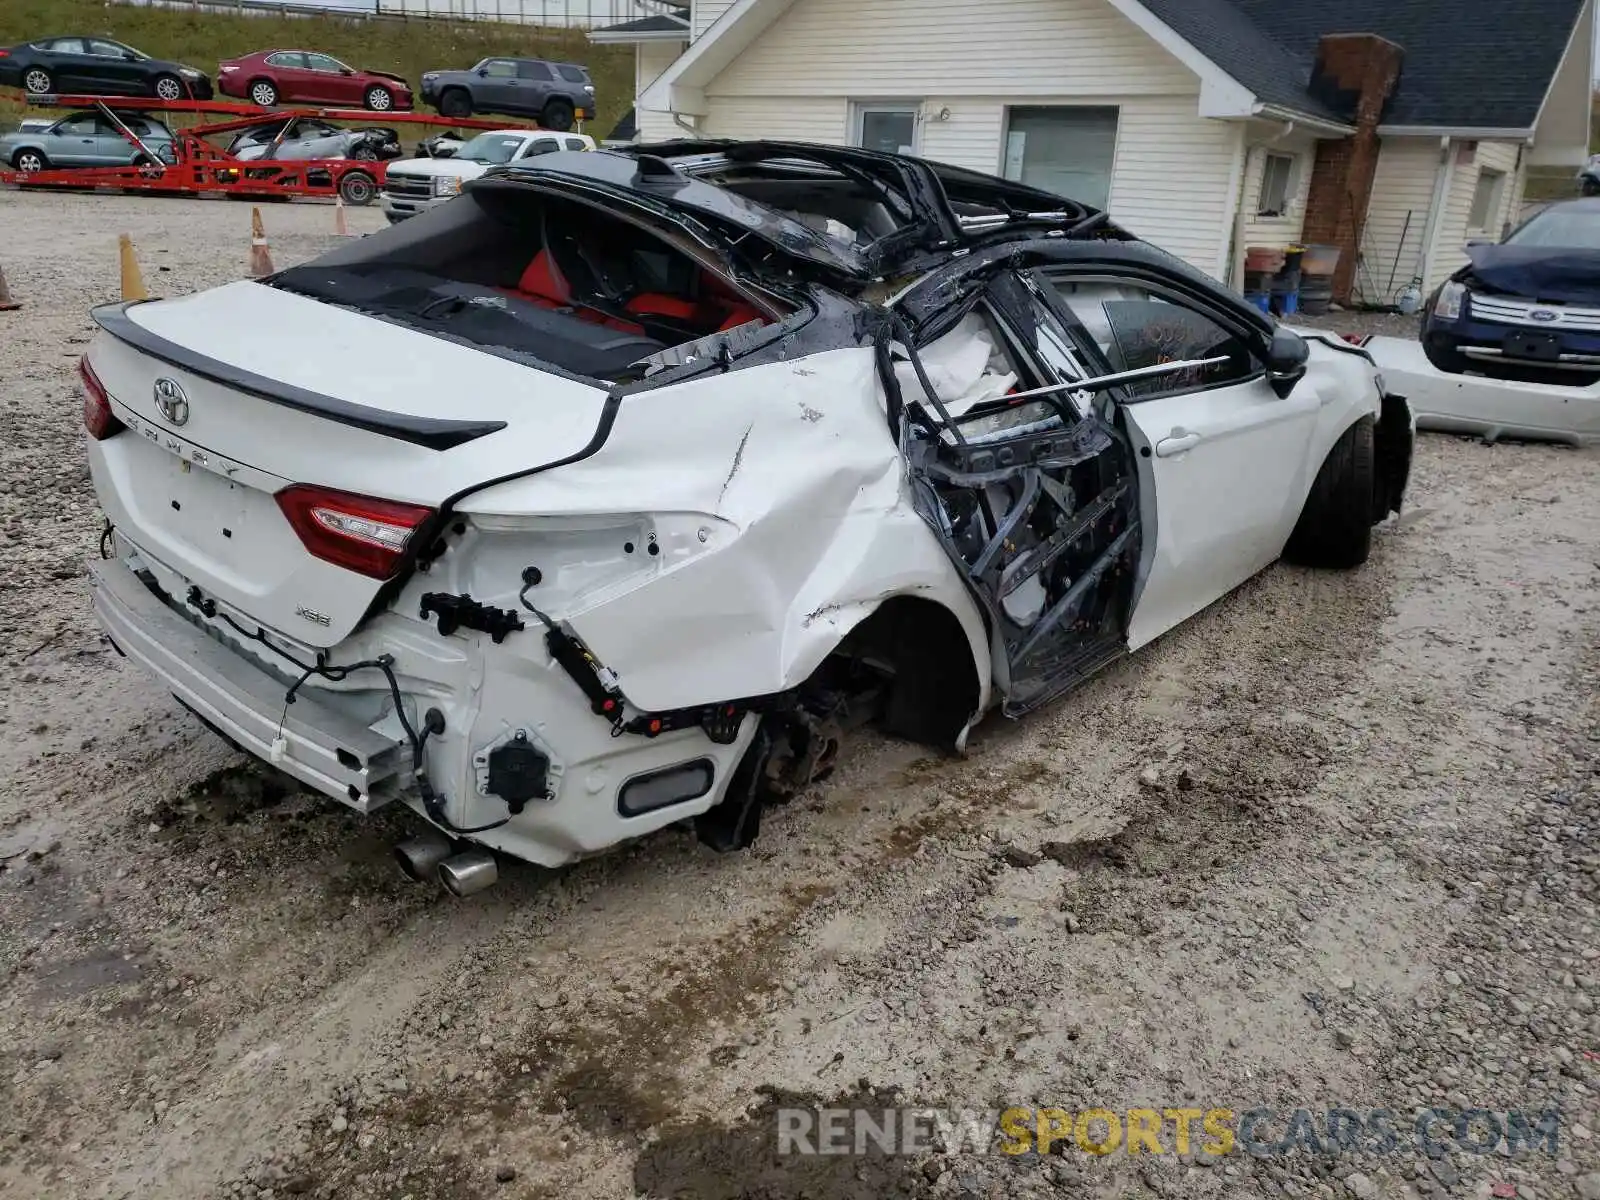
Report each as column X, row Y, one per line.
column 934, row 685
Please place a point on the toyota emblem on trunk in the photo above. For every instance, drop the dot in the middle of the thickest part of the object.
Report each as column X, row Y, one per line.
column 171, row 402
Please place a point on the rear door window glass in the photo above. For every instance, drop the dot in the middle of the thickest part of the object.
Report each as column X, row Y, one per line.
column 535, row 70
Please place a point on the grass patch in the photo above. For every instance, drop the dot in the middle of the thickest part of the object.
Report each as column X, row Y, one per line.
column 201, row 39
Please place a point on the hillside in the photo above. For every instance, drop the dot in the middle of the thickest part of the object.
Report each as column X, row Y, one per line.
column 202, row 39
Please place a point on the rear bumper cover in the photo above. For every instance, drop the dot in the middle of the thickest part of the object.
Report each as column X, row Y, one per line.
column 320, row 747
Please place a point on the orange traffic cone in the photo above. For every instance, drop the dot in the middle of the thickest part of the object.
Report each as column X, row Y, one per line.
column 340, row 225
column 260, row 256
column 132, row 280
column 7, row 304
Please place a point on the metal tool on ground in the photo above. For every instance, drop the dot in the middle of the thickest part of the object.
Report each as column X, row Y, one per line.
column 7, row 303
column 260, row 254
column 132, row 281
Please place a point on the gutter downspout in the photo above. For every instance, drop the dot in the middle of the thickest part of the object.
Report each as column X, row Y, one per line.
column 1441, row 194
column 1235, row 278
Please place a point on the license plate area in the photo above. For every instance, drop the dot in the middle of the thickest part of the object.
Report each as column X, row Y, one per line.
column 1540, row 347
column 205, row 511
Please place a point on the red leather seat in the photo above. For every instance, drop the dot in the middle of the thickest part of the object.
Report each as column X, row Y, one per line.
column 543, row 280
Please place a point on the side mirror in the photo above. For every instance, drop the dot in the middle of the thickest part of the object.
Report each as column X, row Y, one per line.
column 347, row 70
column 484, row 72
column 1286, row 361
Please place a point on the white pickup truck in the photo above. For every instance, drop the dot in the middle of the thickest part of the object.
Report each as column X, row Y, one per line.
column 416, row 185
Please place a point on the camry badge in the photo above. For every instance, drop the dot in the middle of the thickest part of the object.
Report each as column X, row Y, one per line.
column 171, row 401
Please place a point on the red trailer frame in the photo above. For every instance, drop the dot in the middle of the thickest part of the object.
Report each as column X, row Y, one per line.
column 201, row 168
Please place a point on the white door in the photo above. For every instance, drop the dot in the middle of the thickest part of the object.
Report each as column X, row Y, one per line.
column 1222, row 458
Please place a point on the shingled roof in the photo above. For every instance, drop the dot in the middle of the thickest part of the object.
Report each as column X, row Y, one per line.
column 668, row 25
column 1469, row 64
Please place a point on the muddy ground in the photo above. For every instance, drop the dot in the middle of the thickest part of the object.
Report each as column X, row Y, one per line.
column 1333, row 843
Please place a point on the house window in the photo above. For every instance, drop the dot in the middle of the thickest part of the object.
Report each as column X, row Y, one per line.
column 1277, row 186
column 1068, row 151
column 1486, row 199
column 891, row 128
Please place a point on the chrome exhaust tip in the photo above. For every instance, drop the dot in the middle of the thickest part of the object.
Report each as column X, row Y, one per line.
column 468, row 873
column 419, row 857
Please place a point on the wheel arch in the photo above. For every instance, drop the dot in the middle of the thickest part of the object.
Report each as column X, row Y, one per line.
column 939, row 663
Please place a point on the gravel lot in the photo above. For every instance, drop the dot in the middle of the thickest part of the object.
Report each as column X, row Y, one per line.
column 1332, row 843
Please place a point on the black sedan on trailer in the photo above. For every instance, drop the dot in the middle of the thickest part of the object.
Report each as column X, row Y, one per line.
column 97, row 67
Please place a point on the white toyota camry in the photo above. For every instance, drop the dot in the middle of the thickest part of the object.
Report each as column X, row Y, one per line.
column 613, row 493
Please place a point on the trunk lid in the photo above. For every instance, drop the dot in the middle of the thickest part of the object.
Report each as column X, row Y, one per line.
column 279, row 389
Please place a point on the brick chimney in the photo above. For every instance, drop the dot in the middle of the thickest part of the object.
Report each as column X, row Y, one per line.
column 1356, row 74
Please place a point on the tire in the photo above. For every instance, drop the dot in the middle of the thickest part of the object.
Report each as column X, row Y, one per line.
column 1335, row 527
column 557, row 115
column 168, row 87
column 456, row 103
column 357, row 189
column 379, row 99
column 30, row 160
column 36, row 81
column 263, row 93
column 1441, row 352
column 364, row 154
column 1591, row 186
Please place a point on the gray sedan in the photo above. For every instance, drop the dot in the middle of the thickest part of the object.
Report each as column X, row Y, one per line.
column 86, row 139
column 305, row 138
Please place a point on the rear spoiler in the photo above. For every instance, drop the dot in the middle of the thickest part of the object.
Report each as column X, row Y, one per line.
column 432, row 433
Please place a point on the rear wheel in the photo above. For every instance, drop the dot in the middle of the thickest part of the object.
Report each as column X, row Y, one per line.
column 379, row 99
column 1335, row 527
column 37, row 81
column 168, row 87
column 365, row 154
column 456, row 103
column 557, row 115
column 30, row 160
column 1591, row 186
column 264, row 93
column 357, row 188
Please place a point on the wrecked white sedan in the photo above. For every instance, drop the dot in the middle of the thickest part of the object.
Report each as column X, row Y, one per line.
column 663, row 468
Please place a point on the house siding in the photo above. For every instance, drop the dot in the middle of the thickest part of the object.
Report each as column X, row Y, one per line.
column 650, row 60
column 1404, row 183
column 1014, row 48
column 1449, row 254
column 1173, row 176
column 703, row 14
column 812, row 120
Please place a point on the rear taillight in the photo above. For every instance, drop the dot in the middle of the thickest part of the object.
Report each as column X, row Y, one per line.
column 363, row 534
column 98, row 418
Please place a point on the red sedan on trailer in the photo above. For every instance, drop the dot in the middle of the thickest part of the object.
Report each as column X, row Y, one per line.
column 270, row 77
